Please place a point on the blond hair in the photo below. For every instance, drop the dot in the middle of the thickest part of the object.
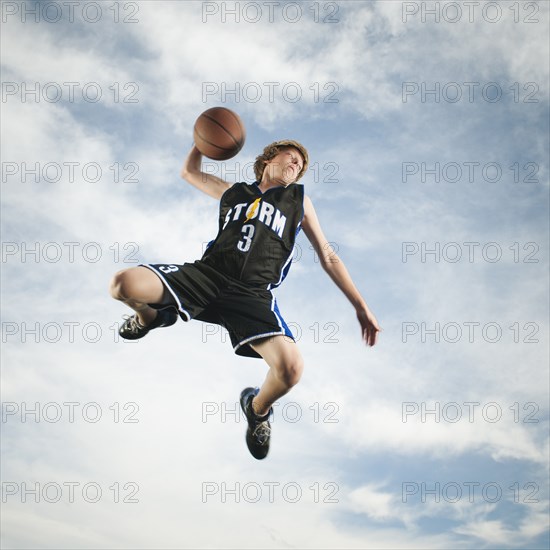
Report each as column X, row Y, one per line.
column 272, row 150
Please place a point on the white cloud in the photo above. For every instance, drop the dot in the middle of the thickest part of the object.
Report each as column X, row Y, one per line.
column 497, row 532
column 375, row 504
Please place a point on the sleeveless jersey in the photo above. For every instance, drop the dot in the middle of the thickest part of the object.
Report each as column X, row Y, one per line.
column 257, row 232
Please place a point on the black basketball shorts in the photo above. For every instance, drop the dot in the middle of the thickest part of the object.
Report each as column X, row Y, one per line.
column 200, row 292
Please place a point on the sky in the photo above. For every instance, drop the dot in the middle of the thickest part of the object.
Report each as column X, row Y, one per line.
column 427, row 126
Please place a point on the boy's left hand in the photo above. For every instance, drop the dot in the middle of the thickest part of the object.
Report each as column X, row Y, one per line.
column 369, row 326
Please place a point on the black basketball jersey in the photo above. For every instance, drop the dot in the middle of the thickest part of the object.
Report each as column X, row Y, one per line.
column 257, row 232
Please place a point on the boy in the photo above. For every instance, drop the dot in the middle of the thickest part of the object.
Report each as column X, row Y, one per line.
column 231, row 284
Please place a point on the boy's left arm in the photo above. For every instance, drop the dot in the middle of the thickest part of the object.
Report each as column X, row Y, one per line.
column 337, row 271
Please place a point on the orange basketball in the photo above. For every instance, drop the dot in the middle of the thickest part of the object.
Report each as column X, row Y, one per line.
column 219, row 133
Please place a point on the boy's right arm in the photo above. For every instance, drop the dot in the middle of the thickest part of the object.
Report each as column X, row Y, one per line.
column 207, row 183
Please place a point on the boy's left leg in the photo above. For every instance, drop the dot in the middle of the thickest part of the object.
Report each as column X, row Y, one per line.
column 285, row 369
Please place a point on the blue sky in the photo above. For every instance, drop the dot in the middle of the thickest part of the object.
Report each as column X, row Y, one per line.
column 354, row 462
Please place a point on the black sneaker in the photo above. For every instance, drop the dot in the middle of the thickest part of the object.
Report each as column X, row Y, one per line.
column 259, row 430
column 131, row 329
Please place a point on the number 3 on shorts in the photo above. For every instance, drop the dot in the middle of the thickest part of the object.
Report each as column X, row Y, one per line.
column 168, row 268
column 248, row 233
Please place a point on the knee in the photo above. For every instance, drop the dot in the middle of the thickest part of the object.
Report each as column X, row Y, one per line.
column 290, row 371
column 118, row 286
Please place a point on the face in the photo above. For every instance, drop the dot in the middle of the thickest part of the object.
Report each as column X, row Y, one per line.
column 285, row 166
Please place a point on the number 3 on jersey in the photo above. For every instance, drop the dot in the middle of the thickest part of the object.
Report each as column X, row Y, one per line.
column 248, row 233
column 168, row 268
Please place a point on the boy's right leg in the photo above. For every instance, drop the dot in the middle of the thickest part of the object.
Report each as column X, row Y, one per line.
column 137, row 287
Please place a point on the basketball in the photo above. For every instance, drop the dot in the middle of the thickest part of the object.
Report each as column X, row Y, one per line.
column 219, row 133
